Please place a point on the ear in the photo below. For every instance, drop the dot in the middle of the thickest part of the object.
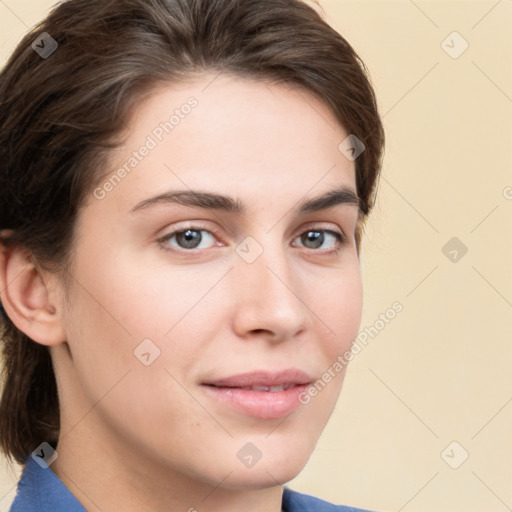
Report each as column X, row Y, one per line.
column 26, row 298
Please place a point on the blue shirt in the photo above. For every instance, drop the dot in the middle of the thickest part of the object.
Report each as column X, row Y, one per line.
column 41, row 490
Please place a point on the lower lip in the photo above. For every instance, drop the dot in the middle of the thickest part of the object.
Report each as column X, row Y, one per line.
column 267, row 405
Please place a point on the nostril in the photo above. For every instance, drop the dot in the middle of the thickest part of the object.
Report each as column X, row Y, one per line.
column 263, row 331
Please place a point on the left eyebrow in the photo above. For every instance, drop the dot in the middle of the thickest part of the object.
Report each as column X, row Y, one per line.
column 343, row 195
column 209, row 200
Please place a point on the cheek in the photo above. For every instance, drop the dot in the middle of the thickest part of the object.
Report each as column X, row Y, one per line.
column 122, row 302
column 135, row 295
column 339, row 307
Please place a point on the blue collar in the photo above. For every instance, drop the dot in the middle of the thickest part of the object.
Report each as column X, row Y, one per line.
column 41, row 490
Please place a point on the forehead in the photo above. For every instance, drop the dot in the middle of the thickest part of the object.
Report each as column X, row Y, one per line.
column 222, row 133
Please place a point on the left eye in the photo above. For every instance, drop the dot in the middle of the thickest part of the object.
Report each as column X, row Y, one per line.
column 315, row 238
column 189, row 238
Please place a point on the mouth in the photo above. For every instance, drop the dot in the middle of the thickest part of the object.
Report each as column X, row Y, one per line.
column 261, row 394
column 271, row 389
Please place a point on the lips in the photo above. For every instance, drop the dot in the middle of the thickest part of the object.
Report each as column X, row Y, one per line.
column 261, row 394
column 271, row 389
column 263, row 380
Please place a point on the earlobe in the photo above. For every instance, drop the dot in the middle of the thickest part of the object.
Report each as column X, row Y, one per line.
column 26, row 298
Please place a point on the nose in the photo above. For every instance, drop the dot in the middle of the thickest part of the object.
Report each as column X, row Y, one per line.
column 269, row 298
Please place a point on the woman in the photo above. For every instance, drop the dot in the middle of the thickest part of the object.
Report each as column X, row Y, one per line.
column 184, row 185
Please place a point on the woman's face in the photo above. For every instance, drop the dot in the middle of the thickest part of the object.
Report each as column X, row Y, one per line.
column 166, row 326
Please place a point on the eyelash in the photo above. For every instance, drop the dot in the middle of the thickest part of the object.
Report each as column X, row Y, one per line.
column 340, row 237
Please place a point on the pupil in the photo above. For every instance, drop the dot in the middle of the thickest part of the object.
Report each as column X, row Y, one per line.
column 189, row 238
column 316, row 237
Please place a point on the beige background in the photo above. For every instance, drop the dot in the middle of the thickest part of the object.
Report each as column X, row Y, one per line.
column 440, row 371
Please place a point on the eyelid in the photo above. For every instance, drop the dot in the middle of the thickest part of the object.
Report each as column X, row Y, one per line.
column 321, row 227
column 196, row 225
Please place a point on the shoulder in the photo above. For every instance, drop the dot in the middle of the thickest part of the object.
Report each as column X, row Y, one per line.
column 294, row 501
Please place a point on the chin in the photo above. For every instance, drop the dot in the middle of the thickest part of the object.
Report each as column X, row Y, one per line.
column 257, row 480
column 275, row 470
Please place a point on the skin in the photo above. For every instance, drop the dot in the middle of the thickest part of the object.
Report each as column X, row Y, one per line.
column 147, row 438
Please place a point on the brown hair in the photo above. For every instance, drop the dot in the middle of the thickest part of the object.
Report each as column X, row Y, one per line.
column 61, row 114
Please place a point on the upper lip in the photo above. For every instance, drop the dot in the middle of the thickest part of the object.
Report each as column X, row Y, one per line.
column 263, row 378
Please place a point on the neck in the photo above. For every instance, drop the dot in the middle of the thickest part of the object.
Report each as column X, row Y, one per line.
column 104, row 478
